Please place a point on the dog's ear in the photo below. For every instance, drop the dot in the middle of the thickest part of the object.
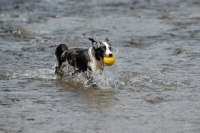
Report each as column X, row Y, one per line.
column 107, row 40
column 91, row 39
column 94, row 43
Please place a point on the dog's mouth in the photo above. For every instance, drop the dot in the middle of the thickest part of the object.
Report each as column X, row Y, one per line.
column 110, row 55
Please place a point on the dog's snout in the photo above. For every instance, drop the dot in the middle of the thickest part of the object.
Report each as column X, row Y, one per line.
column 110, row 55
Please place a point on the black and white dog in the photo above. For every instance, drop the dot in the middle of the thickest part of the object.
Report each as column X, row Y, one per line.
column 82, row 59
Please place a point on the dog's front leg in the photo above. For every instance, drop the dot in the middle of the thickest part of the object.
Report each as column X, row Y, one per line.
column 90, row 78
column 88, row 75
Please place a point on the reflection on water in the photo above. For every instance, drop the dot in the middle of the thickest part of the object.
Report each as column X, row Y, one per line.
column 152, row 87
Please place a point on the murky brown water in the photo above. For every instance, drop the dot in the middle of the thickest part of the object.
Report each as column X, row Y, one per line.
column 153, row 86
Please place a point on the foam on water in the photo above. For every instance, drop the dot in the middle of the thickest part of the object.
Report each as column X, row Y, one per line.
column 45, row 74
column 107, row 79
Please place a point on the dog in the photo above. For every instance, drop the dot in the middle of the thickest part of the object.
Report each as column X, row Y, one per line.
column 82, row 59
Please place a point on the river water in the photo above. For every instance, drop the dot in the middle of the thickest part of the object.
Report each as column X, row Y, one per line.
column 153, row 87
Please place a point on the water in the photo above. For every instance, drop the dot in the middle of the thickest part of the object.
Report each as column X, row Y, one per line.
column 152, row 87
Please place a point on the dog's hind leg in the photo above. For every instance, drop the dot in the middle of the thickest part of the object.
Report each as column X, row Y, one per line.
column 62, row 70
column 58, row 73
column 65, row 67
column 61, row 67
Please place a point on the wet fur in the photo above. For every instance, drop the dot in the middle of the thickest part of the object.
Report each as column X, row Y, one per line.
column 83, row 59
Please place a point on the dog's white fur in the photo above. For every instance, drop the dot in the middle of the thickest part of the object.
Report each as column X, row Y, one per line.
column 107, row 48
column 95, row 65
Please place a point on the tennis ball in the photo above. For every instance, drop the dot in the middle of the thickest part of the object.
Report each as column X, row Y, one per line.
column 109, row 61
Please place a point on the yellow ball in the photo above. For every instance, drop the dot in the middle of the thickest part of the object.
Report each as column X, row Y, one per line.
column 109, row 61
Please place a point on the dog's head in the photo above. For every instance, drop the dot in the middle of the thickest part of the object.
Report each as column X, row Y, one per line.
column 101, row 48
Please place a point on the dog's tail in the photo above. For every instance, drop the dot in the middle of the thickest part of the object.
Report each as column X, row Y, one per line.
column 59, row 50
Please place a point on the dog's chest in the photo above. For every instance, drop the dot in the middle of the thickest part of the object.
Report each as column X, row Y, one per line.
column 95, row 65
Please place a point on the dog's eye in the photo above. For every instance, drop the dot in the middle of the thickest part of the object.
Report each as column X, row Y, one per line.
column 104, row 47
column 110, row 48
